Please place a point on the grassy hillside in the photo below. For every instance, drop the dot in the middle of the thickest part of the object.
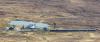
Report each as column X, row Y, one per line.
column 66, row 13
column 49, row 37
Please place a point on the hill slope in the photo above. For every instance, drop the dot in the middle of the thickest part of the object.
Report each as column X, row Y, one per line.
column 66, row 13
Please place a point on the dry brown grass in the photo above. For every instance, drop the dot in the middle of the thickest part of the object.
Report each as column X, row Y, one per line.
column 49, row 37
column 66, row 13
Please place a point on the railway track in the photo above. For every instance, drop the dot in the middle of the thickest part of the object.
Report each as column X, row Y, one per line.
column 73, row 30
column 62, row 30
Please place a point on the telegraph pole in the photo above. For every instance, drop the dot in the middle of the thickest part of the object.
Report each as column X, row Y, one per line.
column 54, row 24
